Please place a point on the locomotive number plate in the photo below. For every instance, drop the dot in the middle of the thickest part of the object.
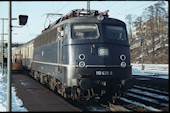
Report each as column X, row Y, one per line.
column 104, row 73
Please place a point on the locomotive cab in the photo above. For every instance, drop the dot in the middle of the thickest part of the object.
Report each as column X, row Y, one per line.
column 98, row 55
column 84, row 55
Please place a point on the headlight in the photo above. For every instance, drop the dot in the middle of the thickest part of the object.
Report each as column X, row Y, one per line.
column 103, row 52
column 122, row 57
column 81, row 56
column 123, row 64
column 82, row 64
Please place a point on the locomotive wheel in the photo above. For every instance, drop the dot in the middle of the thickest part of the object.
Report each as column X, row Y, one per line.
column 52, row 84
column 36, row 75
column 42, row 78
column 88, row 94
column 63, row 92
column 45, row 79
column 74, row 94
column 31, row 73
column 84, row 95
column 78, row 90
column 59, row 88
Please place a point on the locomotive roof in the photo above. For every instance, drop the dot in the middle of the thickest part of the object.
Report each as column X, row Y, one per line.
column 94, row 19
column 82, row 15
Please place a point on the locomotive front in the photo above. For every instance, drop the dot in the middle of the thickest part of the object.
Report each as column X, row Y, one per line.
column 98, row 55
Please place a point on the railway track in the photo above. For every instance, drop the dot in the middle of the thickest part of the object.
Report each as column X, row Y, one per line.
column 145, row 99
column 139, row 98
column 97, row 106
column 152, row 82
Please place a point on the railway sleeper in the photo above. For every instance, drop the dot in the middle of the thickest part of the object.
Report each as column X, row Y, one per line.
column 153, row 96
column 146, row 101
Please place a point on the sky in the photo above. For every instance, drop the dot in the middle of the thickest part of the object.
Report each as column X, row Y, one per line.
column 17, row 103
column 37, row 10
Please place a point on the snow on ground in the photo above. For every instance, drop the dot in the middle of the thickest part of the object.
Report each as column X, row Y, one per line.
column 17, row 104
column 154, row 70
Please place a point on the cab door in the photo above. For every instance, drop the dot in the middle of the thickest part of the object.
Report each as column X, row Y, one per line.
column 60, row 49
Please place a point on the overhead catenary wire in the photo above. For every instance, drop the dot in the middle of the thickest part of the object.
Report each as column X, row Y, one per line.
column 39, row 25
column 62, row 7
column 129, row 10
column 66, row 4
column 49, row 14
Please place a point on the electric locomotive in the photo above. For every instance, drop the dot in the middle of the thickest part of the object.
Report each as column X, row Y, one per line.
column 82, row 55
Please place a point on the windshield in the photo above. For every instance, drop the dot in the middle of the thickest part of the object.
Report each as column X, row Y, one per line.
column 85, row 31
column 116, row 33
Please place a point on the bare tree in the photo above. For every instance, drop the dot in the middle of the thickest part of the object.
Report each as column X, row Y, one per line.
column 129, row 21
column 153, row 26
column 159, row 12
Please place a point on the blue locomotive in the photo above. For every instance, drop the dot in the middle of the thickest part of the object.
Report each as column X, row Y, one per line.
column 82, row 55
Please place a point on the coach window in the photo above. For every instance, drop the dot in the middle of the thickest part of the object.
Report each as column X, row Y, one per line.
column 85, row 31
column 116, row 33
